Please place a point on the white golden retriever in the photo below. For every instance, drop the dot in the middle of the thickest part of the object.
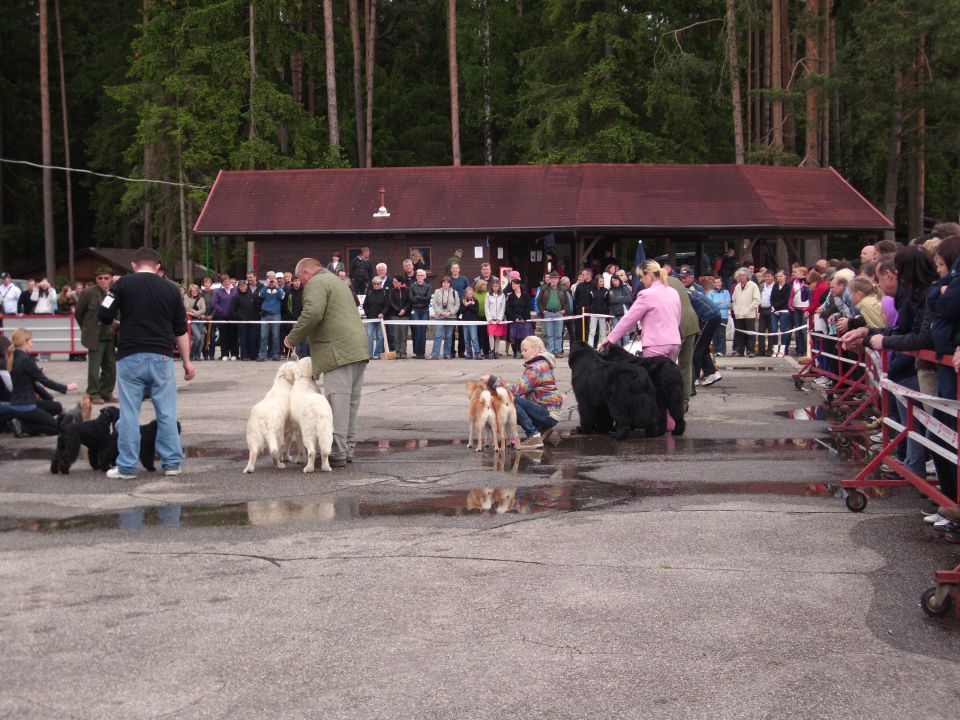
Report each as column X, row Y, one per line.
column 312, row 417
column 268, row 426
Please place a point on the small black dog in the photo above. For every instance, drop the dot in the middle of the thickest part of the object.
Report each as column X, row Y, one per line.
column 148, row 447
column 94, row 434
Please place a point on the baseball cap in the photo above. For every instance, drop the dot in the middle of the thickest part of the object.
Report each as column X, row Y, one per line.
column 554, row 273
column 686, row 273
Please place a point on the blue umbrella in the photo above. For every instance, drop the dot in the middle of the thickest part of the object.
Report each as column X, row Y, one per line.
column 641, row 258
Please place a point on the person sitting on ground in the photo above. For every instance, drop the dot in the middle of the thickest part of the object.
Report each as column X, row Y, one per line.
column 536, row 395
column 28, row 414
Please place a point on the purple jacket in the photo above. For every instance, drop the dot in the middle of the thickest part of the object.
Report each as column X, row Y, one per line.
column 221, row 303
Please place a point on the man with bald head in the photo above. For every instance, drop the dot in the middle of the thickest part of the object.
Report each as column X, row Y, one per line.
column 338, row 349
column 868, row 254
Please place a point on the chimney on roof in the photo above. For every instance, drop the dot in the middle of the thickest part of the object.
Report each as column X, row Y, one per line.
column 382, row 211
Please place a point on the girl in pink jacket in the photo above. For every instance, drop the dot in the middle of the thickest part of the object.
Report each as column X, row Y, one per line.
column 657, row 309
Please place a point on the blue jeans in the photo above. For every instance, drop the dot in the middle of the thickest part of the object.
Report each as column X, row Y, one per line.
column 471, row 341
column 798, row 319
column 135, row 374
column 197, row 331
column 781, row 323
column 553, row 332
column 532, row 417
column 272, row 330
column 420, row 331
column 374, row 339
column 720, row 338
column 442, row 336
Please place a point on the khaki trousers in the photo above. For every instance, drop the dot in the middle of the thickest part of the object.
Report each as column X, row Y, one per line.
column 342, row 387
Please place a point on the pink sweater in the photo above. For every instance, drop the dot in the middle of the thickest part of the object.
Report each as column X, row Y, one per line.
column 657, row 309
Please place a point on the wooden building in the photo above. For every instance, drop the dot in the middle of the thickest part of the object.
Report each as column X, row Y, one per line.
column 512, row 216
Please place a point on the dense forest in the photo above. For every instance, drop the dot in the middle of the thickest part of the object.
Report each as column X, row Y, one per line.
column 175, row 90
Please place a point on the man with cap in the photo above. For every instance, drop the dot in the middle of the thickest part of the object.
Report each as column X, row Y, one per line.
column 9, row 295
column 688, row 279
column 551, row 302
column 98, row 339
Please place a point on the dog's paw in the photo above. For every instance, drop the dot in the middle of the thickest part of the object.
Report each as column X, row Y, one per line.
column 248, row 469
column 309, row 468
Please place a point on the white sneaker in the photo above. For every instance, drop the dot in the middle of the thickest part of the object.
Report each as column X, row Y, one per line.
column 931, row 469
column 225, row 358
column 532, row 442
column 171, row 472
column 822, row 380
column 876, row 438
column 711, row 379
column 933, row 518
column 696, row 383
column 115, row 474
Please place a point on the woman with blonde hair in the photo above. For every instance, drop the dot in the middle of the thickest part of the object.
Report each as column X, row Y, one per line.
column 866, row 298
column 30, row 415
column 657, row 310
column 196, row 308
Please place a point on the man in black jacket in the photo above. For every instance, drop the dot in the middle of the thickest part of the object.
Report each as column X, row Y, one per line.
column 375, row 310
column 398, row 308
column 152, row 323
column 583, row 297
column 360, row 272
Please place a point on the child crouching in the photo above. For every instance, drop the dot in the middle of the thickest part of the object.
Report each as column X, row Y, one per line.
column 537, row 397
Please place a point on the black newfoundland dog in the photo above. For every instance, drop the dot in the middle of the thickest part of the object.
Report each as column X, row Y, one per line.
column 613, row 396
column 148, row 447
column 94, row 434
column 666, row 378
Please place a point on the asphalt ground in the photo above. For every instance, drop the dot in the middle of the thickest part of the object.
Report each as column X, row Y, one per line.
column 714, row 575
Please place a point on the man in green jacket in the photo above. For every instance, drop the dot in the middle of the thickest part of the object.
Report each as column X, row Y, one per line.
column 338, row 349
column 689, row 329
column 98, row 340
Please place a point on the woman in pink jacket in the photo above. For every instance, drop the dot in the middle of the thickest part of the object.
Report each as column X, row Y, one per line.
column 657, row 309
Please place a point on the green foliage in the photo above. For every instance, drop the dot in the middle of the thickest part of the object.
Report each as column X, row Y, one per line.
column 568, row 81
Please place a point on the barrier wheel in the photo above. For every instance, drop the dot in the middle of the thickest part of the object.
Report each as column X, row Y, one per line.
column 798, row 384
column 856, row 501
column 926, row 600
column 840, row 414
column 843, row 441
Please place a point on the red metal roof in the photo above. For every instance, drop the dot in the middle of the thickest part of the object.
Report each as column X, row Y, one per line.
column 642, row 198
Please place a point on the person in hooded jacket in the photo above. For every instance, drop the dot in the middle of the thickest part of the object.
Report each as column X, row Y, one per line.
column 375, row 310
column 398, row 308
column 245, row 306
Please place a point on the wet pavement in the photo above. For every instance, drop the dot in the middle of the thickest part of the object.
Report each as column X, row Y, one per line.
column 715, row 574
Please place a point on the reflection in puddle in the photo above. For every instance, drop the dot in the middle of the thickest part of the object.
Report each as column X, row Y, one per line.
column 578, row 496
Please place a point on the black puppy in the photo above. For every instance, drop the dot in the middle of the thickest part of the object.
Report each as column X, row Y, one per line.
column 610, row 395
column 666, row 378
column 148, row 447
column 94, row 434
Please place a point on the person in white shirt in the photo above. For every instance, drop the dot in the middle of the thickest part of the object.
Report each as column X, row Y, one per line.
column 9, row 295
column 765, row 343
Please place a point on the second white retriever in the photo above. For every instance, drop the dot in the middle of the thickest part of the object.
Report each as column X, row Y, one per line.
column 270, row 418
column 312, row 417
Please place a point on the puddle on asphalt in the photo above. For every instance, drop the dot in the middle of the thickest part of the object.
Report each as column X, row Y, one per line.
column 578, row 496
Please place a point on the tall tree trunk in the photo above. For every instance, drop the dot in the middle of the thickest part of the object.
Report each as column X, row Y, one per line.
column 253, row 76
column 48, row 239
column 147, row 166
column 776, row 74
column 454, row 79
column 185, row 254
column 749, row 74
column 734, row 62
column 916, row 197
column 358, row 113
column 893, row 159
column 811, row 157
column 765, row 83
column 371, row 54
column 296, row 77
column 333, row 121
column 788, row 55
column 487, row 89
column 311, row 84
column 828, row 30
column 3, row 263
column 66, row 141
